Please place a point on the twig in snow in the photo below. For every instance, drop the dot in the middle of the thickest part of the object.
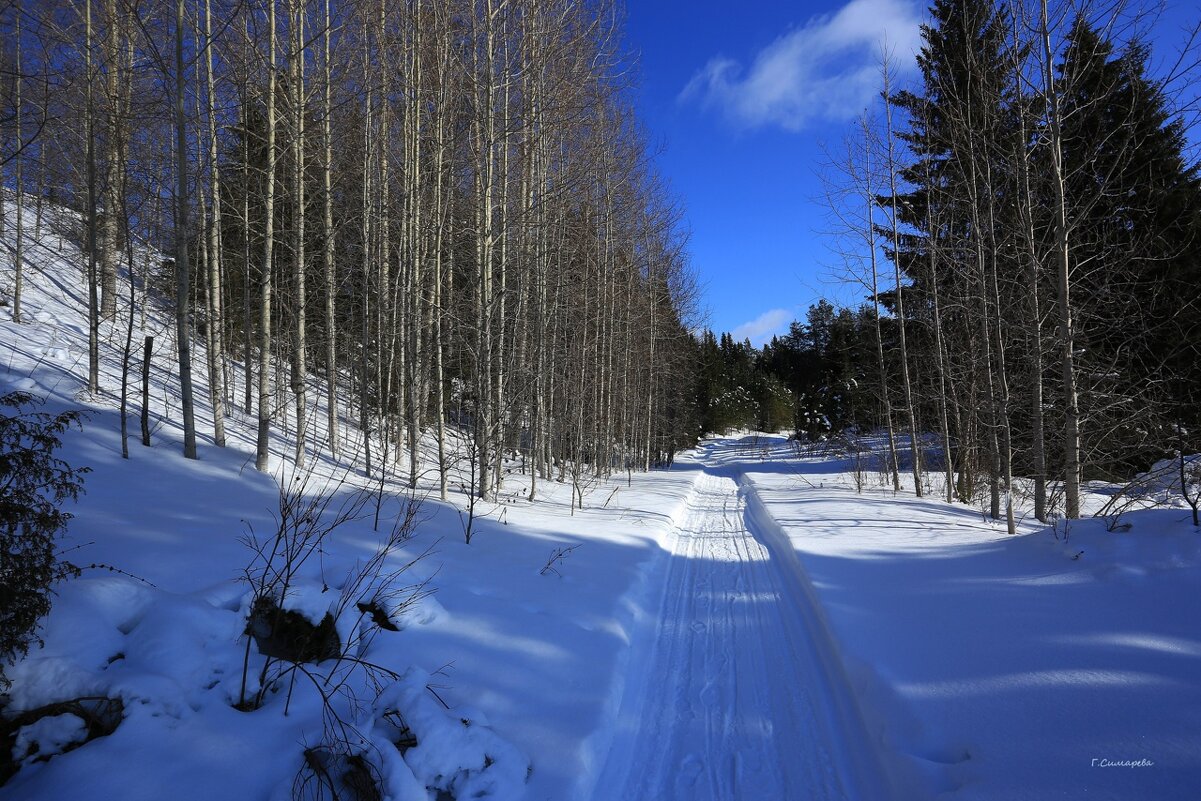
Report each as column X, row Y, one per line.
column 556, row 558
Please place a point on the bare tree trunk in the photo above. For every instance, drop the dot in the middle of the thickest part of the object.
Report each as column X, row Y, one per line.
column 1071, row 478
column 984, row 232
column 216, row 322
column 127, row 352
column 1033, row 309
column 112, row 183
column 366, row 307
column 19, row 158
column 299, row 344
column 418, row 303
column 331, row 287
column 539, row 310
column 986, row 342
column 93, row 275
column 147, row 352
column 870, row 234
column 442, row 208
column 907, row 385
column 40, row 201
column 247, row 315
column 653, row 332
column 942, row 367
column 497, row 369
column 386, row 310
column 182, row 276
column 262, row 445
column 486, row 137
column 1002, row 368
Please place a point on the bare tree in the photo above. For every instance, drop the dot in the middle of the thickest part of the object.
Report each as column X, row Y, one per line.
column 215, row 328
column 892, row 167
column 93, row 275
column 1032, row 260
column 298, row 101
column 263, row 453
column 19, row 253
column 867, row 186
column 1062, row 247
column 183, row 283
column 331, row 285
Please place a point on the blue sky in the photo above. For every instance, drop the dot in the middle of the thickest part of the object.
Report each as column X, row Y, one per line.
column 745, row 100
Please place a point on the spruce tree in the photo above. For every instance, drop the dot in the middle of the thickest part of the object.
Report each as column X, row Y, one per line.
column 1137, row 219
column 34, row 487
column 951, row 201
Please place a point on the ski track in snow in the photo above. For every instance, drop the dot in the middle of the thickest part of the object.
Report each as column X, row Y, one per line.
column 725, row 702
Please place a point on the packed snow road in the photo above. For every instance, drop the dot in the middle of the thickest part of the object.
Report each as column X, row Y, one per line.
column 732, row 695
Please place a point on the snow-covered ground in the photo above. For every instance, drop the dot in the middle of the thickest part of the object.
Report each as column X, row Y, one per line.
column 744, row 625
column 735, row 696
column 529, row 656
column 996, row 667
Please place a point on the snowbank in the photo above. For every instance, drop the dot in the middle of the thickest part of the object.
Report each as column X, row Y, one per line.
column 995, row 667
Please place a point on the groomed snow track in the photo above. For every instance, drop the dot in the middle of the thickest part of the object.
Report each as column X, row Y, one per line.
column 736, row 692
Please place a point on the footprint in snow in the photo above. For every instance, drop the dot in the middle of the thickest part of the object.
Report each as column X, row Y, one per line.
column 690, row 770
column 946, row 756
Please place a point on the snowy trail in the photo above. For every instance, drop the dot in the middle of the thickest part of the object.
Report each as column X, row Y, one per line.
column 731, row 699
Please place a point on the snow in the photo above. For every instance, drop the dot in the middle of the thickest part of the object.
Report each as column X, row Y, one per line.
column 997, row 667
column 530, row 659
column 736, row 693
column 743, row 625
column 47, row 737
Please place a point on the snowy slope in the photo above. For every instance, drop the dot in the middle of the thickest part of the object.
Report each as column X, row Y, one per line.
column 528, row 656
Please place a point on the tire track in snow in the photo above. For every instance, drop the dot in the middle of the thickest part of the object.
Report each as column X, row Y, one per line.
column 730, row 699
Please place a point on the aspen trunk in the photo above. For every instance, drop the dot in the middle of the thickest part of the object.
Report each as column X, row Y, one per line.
column 182, row 274
column 90, row 157
column 108, row 244
column 906, row 384
column 299, row 343
column 19, row 255
column 216, row 321
column 1071, row 470
column 262, row 446
column 870, row 234
column 331, row 285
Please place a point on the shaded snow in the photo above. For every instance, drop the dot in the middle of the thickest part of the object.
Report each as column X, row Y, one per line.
column 530, row 659
column 998, row 667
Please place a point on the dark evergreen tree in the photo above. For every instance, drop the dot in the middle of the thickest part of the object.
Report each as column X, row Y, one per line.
column 1137, row 220
column 34, row 485
column 951, row 201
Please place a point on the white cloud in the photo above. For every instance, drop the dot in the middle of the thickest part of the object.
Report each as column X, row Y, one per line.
column 826, row 69
column 764, row 327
